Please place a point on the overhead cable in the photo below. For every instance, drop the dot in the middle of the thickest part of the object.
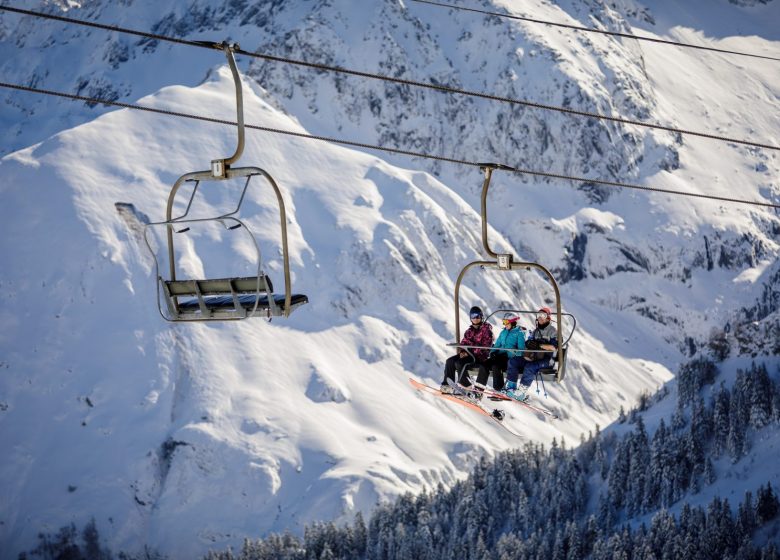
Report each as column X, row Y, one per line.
column 594, row 30
column 431, row 86
column 518, row 170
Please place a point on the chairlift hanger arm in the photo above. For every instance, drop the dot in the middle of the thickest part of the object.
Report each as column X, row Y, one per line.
column 219, row 167
column 487, row 169
column 239, row 103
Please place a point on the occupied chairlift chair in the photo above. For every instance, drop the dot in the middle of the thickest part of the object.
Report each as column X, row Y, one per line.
column 220, row 299
column 506, row 262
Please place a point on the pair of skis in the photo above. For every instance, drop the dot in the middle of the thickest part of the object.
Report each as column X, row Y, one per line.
column 494, row 395
column 461, row 396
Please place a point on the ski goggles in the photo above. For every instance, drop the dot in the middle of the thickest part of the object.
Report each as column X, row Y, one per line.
column 508, row 322
column 542, row 316
column 476, row 315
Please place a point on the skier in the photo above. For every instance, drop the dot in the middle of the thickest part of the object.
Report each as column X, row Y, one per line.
column 544, row 337
column 511, row 337
column 479, row 333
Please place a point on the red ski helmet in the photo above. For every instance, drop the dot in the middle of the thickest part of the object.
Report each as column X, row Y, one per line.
column 546, row 310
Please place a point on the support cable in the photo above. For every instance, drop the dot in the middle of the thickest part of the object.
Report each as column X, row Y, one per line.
column 594, row 30
column 413, row 83
column 518, row 170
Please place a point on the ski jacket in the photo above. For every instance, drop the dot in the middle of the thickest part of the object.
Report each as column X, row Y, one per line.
column 481, row 335
column 546, row 335
column 513, row 338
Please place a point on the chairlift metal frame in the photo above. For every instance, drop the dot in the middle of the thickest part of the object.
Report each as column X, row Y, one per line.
column 506, row 262
column 225, row 298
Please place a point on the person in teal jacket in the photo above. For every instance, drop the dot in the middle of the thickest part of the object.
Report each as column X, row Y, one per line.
column 510, row 338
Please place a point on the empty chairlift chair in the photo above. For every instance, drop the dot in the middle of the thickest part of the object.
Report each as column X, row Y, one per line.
column 231, row 297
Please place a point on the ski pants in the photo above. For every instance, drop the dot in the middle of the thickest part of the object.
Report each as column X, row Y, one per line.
column 496, row 364
column 455, row 363
column 520, row 366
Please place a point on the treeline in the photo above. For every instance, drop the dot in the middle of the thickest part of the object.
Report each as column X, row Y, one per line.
column 534, row 502
column 414, row 529
column 645, row 473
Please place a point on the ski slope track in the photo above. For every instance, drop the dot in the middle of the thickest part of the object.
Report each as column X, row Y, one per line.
column 191, row 437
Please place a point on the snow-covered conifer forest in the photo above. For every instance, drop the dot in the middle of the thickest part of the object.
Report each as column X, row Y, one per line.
column 124, row 435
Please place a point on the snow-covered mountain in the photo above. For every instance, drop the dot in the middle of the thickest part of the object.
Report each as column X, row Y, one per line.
column 187, row 437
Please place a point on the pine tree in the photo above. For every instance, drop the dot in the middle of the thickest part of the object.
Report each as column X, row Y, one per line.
column 736, row 442
column 701, row 420
column 573, row 541
column 481, row 551
column 359, row 538
column 326, row 554
column 766, row 504
column 662, row 527
column 655, row 469
column 770, row 552
column 606, row 513
column 693, row 376
column 638, row 466
column 727, row 528
column 590, row 534
column 760, row 397
column 721, row 419
column 775, row 403
column 617, row 482
column 678, row 418
column 746, row 515
column 508, row 546
column 559, row 547
column 709, row 472
column 92, row 548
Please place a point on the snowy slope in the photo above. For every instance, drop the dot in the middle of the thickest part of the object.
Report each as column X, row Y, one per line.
column 186, row 437
column 201, row 434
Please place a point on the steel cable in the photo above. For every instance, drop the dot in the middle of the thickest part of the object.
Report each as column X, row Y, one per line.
column 460, row 161
column 402, row 81
column 600, row 31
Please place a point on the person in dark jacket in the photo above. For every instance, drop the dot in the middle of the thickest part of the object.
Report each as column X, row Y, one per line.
column 544, row 337
column 479, row 333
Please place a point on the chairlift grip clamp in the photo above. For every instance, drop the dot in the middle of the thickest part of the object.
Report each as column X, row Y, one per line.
column 219, row 168
column 218, row 46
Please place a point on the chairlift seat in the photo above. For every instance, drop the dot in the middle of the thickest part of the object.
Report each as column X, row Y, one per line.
column 226, row 298
column 554, row 373
column 557, row 369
